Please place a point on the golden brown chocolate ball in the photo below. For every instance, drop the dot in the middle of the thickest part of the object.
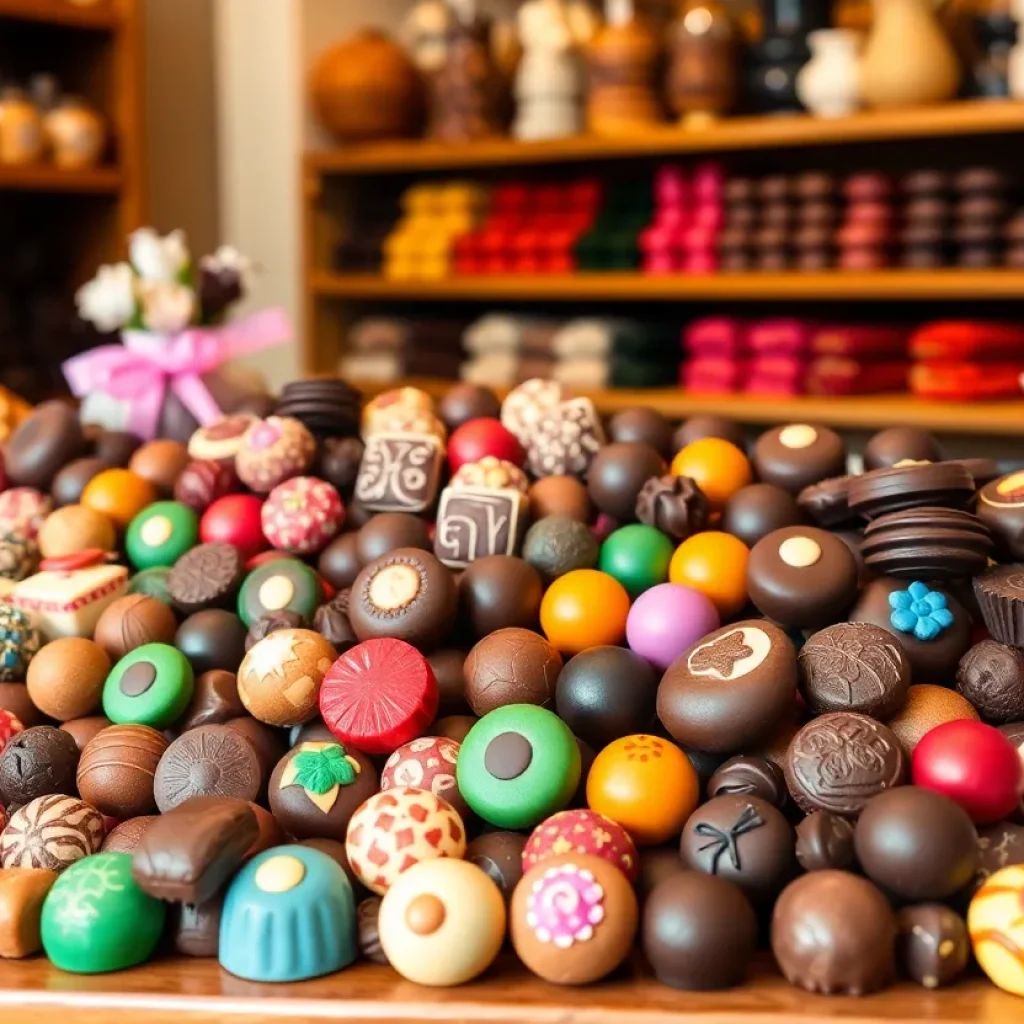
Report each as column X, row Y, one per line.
column 116, row 770
column 559, row 496
column 75, row 528
column 134, row 620
column 65, row 679
column 161, row 463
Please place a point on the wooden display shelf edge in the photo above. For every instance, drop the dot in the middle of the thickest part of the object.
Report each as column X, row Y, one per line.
column 101, row 15
column 199, row 992
column 880, row 284
column 46, row 178
column 863, row 412
column 969, row 117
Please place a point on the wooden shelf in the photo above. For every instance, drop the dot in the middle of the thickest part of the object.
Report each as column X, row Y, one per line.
column 101, row 15
column 967, row 118
column 865, row 412
column 44, row 178
column 889, row 284
column 199, row 991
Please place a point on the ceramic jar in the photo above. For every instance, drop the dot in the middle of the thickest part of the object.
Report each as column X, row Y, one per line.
column 21, row 129
column 777, row 58
column 908, row 60
column 75, row 134
column 829, row 83
column 702, row 80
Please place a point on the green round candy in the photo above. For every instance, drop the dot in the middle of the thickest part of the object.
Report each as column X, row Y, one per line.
column 160, row 534
column 151, row 686
column 152, row 583
column 637, row 556
column 95, row 918
column 518, row 765
column 282, row 584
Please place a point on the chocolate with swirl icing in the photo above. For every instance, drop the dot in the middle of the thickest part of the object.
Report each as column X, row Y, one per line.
column 399, row 473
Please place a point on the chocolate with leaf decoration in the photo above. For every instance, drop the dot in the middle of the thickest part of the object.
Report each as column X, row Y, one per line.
column 317, row 786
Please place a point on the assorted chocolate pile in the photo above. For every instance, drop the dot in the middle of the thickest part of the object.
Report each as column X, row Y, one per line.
column 403, row 681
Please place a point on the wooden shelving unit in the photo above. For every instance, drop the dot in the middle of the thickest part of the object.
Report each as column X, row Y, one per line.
column 99, row 15
column 44, row 178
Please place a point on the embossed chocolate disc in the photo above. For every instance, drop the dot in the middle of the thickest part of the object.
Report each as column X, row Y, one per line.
column 508, row 755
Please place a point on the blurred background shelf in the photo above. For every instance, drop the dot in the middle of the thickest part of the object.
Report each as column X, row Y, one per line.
column 45, row 178
column 99, row 15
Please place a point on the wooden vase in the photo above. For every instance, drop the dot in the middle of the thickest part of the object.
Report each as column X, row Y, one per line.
column 75, row 133
column 21, row 129
column 622, row 62
column 702, row 79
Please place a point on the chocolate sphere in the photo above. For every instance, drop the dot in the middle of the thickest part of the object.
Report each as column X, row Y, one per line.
column 511, row 666
column 390, row 530
column 339, row 562
column 617, row 475
column 698, row 932
column 644, row 425
column 65, row 679
column 466, row 402
column 134, row 620
column 756, row 510
column 116, row 447
column 698, row 427
column 559, row 496
column 933, row 947
column 38, row 762
column 556, row 545
column 447, row 665
column 48, row 439
column 212, row 639
column 498, row 592
column 71, row 481
column 160, row 462
column 900, row 444
column 824, row 841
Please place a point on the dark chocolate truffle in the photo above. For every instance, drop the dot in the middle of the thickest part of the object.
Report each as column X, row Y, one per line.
column 560, row 496
column 644, row 425
column 38, row 762
column 916, row 844
column 673, row 504
column 839, row 762
column 824, row 842
column 933, row 946
column 834, row 933
column 605, row 693
column 339, row 562
column 991, row 677
column 331, row 621
column 448, row 664
column 854, row 666
column 71, row 481
column 617, row 475
column 116, row 447
column 466, row 402
column 454, row 727
column 556, row 545
column 889, row 447
column 368, row 932
column 499, row 592
column 745, row 840
column 656, row 865
column 212, row 639
column 697, row 427
column 338, row 462
column 749, row 776
column 756, row 510
column 215, row 701
column 1001, row 507
column 797, row 455
column 48, row 439
column 388, row 531
column 698, row 932
column 500, row 856
column 731, row 690
column 511, row 666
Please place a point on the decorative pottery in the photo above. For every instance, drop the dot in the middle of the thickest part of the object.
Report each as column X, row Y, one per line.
column 21, row 129
column 908, row 60
column 996, row 36
column 776, row 60
column 367, row 88
column 75, row 134
column 702, row 80
column 829, row 84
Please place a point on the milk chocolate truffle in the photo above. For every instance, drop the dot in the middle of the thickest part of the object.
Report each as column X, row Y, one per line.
column 15, row 699
column 743, row 839
column 1001, row 507
column 71, row 481
column 125, row 837
column 454, row 727
column 698, row 933
column 933, row 641
column 65, row 679
column 37, row 762
column 406, row 594
column 215, row 701
column 115, row 773
column 854, row 666
column 916, row 844
column 511, row 666
column 132, row 621
column 388, row 531
column 824, row 842
column 212, row 760
column 75, row 528
column 933, row 946
column 990, row 676
column 500, row 856
column 644, row 425
column 160, row 462
column 797, row 455
column 605, row 693
column 339, row 563
column 368, row 931
column 466, row 402
column 116, row 447
column 559, row 496
column 890, row 447
column 834, row 933
column 82, row 730
column 559, row 544
column 730, row 690
column 212, row 639
column 500, row 592
column 926, row 707
column 618, row 473
column 698, row 427
column 269, row 743
column 749, row 776
column 756, row 510
column 49, row 439
column 838, row 762
column 802, row 576
column 656, row 865
column 447, row 665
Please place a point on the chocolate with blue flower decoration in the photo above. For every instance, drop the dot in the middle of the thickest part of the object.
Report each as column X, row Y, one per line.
column 931, row 625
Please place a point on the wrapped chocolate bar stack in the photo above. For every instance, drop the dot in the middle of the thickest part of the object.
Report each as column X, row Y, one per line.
column 404, row 680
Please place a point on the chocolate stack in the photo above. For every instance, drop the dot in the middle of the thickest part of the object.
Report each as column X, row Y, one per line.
column 326, row 408
column 927, row 215
column 660, row 241
column 772, row 241
column 717, row 356
column 740, row 217
column 980, row 216
column 967, row 360
column 1015, row 240
column 700, row 238
column 613, row 241
column 868, row 231
column 386, row 348
column 503, row 348
column 815, row 220
column 779, row 350
column 373, row 220
column 605, row 352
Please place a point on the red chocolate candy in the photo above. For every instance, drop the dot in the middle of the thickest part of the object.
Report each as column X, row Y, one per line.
column 234, row 520
column 379, row 695
column 973, row 764
column 479, row 438
column 302, row 515
column 581, row 832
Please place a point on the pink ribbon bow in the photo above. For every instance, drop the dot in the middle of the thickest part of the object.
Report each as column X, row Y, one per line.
column 141, row 369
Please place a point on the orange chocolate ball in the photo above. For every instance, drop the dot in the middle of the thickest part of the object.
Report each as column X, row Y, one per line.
column 584, row 608
column 927, row 706
column 715, row 564
column 719, row 468
column 647, row 785
column 119, row 494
